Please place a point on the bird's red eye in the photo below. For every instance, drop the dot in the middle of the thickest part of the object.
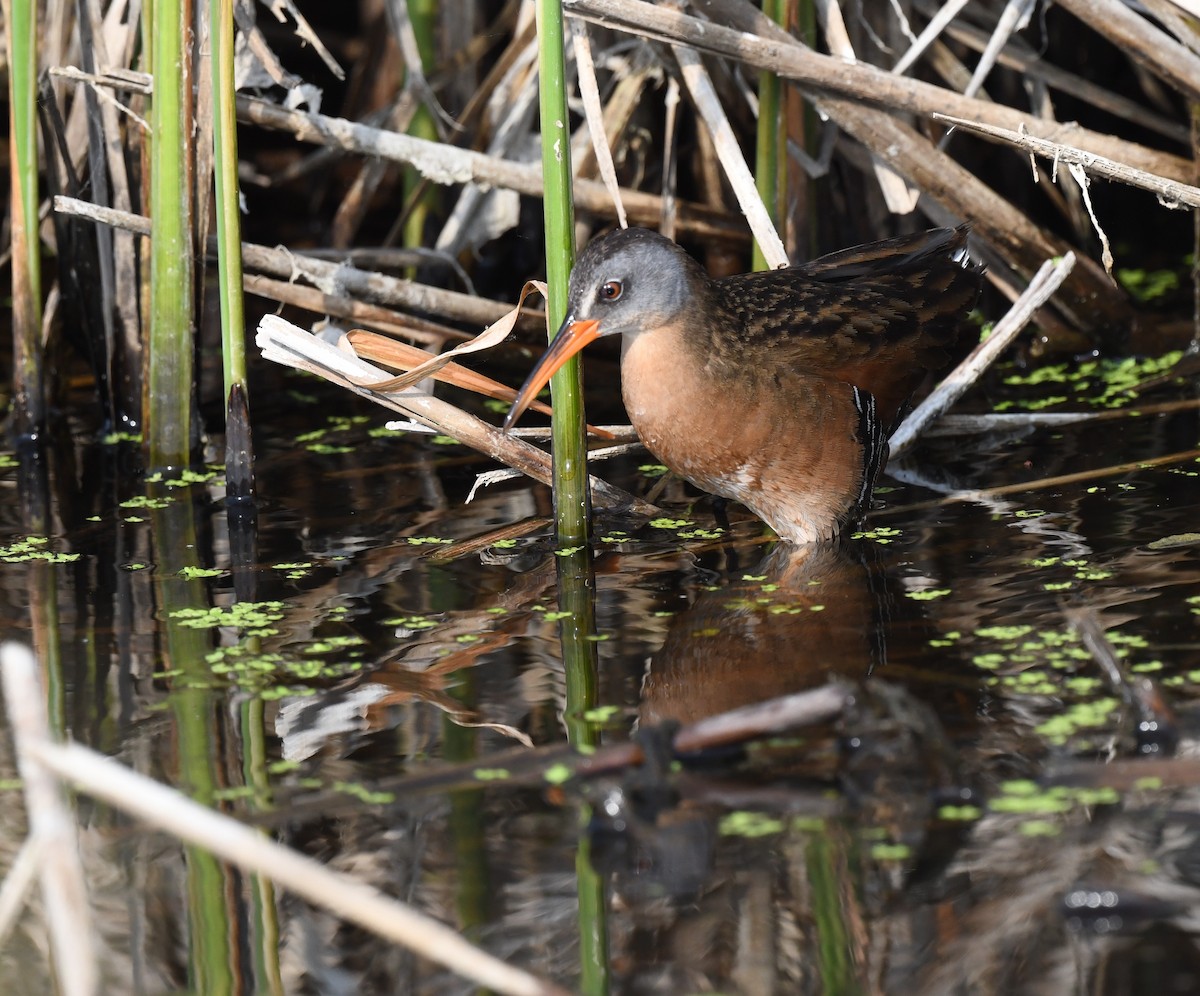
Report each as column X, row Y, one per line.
column 611, row 290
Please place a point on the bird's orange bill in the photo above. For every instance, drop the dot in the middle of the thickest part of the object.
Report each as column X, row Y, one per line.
column 571, row 338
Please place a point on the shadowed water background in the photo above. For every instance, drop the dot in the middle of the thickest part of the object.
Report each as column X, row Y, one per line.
column 957, row 830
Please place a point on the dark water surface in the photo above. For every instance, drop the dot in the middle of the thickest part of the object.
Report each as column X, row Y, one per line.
column 994, row 811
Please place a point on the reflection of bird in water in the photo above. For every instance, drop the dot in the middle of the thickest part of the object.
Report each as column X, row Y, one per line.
column 802, row 616
column 776, row 389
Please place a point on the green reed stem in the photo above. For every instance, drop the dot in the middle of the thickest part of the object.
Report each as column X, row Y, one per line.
column 167, row 409
column 423, row 16
column 771, row 143
column 229, row 221
column 567, row 431
column 29, row 404
column 577, row 633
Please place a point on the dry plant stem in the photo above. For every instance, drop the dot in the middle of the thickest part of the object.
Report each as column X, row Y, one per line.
column 899, row 197
column 708, row 105
column 448, row 165
column 1014, row 12
column 946, row 13
column 1090, row 298
column 1170, row 191
column 381, row 319
column 1028, row 63
column 330, row 277
column 64, row 892
column 858, row 80
column 19, row 882
column 590, row 92
column 353, row 901
column 1152, row 48
column 1048, row 279
column 285, row 343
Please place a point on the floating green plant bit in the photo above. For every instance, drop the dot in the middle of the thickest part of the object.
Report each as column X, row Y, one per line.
column 299, row 566
column 744, row 823
column 364, row 794
column 328, row 449
column 428, row 540
column 1078, row 716
column 616, row 536
column 254, row 618
column 31, row 548
column 491, row 774
column 1039, row 828
column 700, row 533
column 198, row 573
column 333, row 644
column 567, row 551
column 134, row 565
column 1029, row 513
column 557, row 774
column 602, row 714
column 652, row 469
column 411, row 622
column 1058, row 586
column 467, row 638
column 185, row 478
column 664, row 522
column 891, row 852
column 113, row 438
column 881, row 534
column 960, row 814
column 928, row 594
column 8, row 461
column 1146, row 286
column 556, row 615
column 504, row 544
column 440, row 440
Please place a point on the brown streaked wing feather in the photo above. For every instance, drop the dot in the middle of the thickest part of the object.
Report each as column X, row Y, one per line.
column 877, row 316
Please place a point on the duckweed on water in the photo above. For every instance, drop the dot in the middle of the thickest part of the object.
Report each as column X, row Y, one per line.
column 664, row 522
column 30, row 548
column 882, row 535
column 411, row 623
column 491, row 774
column 602, row 714
column 743, row 823
column 1103, row 383
column 253, row 618
column 199, row 573
column 364, row 794
column 891, row 852
column 185, row 478
column 557, row 774
column 928, row 594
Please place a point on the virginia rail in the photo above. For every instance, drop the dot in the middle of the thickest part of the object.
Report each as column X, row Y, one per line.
column 777, row 389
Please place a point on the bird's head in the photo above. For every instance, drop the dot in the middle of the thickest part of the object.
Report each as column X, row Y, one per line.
column 628, row 283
